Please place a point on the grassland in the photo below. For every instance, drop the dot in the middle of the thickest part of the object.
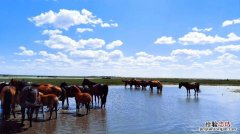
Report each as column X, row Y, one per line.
column 114, row 80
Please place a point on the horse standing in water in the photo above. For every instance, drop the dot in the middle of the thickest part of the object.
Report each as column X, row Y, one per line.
column 28, row 98
column 98, row 90
column 156, row 83
column 194, row 85
column 84, row 98
column 127, row 82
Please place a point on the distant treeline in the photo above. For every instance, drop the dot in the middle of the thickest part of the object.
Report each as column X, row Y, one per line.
column 56, row 80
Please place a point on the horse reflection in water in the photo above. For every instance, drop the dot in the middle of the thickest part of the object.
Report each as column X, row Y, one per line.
column 190, row 86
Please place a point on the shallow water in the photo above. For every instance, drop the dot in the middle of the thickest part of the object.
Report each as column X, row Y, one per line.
column 137, row 111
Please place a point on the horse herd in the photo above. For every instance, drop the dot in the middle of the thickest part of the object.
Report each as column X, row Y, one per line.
column 34, row 96
column 155, row 83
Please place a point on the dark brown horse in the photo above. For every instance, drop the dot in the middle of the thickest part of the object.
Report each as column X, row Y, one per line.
column 156, row 83
column 127, row 82
column 98, row 90
column 28, row 98
column 67, row 91
column 194, row 85
column 144, row 84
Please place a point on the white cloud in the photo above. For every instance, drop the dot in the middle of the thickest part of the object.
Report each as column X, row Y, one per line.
column 230, row 22
column 109, row 25
column 225, row 60
column 51, row 32
column 114, row 44
column 58, row 41
column 82, row 30
column 26, row 52
column 201, row 38
column 226, row 48
column 191, row 53
column 64, row 19
column 59, row 57
column 165, row 40
column 92, row 42
column 99, row 55
column 195, row 29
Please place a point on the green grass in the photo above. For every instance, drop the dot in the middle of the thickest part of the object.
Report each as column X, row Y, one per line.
column 115, row 80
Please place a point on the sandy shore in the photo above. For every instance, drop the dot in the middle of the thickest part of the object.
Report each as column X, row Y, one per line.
column 67, row 122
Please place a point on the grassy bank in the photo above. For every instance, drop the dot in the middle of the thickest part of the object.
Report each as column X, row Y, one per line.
column 115, row 80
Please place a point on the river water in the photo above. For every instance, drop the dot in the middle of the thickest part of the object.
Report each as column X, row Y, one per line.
column 136, row 111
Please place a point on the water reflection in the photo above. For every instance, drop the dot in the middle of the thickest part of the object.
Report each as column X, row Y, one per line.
column 192, row 99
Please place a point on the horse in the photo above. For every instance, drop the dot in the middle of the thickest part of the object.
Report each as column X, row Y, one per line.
column 49, row 89
column 2, row 84
column 67, row 91
column 98, row 90
column 83, row 98
column 144, row 84
column 136, row 83
column 8, row 99
column 156, row 83
column 28, row 98
column 49, row 100
column 194, row 85
column 127, row 82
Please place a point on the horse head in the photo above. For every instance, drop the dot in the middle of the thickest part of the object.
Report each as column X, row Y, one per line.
column 180, row 85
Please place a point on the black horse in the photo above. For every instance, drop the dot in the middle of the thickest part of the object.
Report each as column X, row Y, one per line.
column 194, row 85
column 98, row 90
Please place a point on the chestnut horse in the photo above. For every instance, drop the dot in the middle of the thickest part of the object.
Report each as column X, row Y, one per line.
column 98, row 90
column 83, row 98
column 49, row 100
column 156, row 83
column 194, row 85
column 8, row 99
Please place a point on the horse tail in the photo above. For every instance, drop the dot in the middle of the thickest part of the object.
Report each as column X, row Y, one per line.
column 6, row 103
column 198, row 87
column 105, row 93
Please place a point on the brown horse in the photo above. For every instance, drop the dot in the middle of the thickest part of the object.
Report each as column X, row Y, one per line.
column 144, row 84
column 194, row 85
column 8, row 99
column 156, row 83
column 49, row 100
column 127, row 82
column 83, row 98
column 49, row 89
column 98, row 90
column 67, row 91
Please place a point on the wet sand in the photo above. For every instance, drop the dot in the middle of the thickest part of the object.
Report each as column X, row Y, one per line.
column 67, row 122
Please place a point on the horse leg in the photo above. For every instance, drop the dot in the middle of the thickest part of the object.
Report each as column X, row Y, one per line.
column 37, row 110
column 63, row 99
column 13, row 107
column 67, row 103
column 23, row 115
column 51, row 109
column 31, row 114
column 77, row 107
column 56, row 111
column 92, row 101
column 87, row 106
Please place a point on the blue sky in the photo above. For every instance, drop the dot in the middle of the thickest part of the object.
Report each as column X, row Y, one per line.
column 155, row 38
